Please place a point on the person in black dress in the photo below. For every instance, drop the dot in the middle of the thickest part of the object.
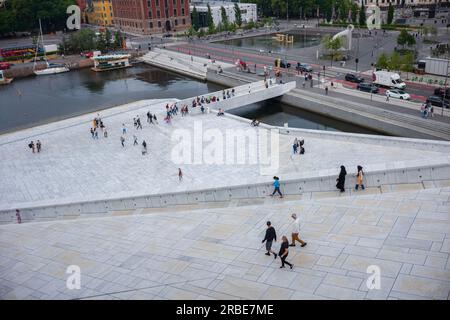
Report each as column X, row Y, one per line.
column 341, row 179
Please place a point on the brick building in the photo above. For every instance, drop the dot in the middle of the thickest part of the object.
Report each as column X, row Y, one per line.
column 151, row 16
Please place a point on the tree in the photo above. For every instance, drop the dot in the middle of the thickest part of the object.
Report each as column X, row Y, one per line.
column 108, row 41
column 238, row 15
column 118, row 40
column 210, row 21
column 332, row 45
column 390, row 16
column 410, row 41
column 395, row 61
column 355, row 11
column 383, row 61
column 224, row 16
column 195, row 19
column 362, row 15
column 24, row 15
column 408, row 63
column 402, row 38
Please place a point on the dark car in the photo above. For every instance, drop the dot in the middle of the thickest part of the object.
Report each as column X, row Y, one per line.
column 303, row 67
column 367, row 87
column 440, row 92
column 167, row 35
column 437, row 101
column 353, row 78
column 282, row 63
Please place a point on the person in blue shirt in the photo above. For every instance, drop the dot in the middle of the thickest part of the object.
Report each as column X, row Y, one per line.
column 276, row 185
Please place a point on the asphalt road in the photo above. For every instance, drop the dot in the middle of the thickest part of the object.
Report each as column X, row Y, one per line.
column 231, row 54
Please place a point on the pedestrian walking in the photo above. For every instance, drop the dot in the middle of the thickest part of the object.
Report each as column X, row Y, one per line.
column 139, row 124
column 295, row 227
column 95, row 133
column 180, row 174
column 326, row 90
column 105, row 133
column 269, row 238
column 19, row 218
column 124, row 129
column 341, row 179
column 276, row 184
column 135, row 143
column 144, row 148
column 359, row 178
column 387, row 98
column 122, row 141
column 294, row 147
column 284, row 252
column 31, row 145
column 92, row 133
column 155, row 119
column 38, row 146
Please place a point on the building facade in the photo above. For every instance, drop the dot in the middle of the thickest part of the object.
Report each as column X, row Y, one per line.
column 151, row 16
column 248, row 11
column 100, row 12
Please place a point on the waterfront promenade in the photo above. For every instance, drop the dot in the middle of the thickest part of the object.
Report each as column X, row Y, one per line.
column 74, row 167
column 216, row 253
column 212, row 249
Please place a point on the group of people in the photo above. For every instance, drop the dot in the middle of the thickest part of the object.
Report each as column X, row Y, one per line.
column 35, row 147
column 283, row 253
column 427, row 110
column 340, row 181
column 298, row 146
column 225, row 95
column 97, row 124
column 137, row 122
column 308, row 77
column 151, row 118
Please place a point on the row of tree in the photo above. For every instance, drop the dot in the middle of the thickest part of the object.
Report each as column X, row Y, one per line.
column 396, row 62
column 331, row 10
column 87, row 40
column 24, row 15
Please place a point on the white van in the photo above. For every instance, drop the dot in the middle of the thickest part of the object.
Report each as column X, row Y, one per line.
column 388, row 79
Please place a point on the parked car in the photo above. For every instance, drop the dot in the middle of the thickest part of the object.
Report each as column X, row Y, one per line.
column 367, row 87
column 282, row 63
column 437, row 101
column 399, row 94
column 167, row 35
column 303, row 67
column 353, row 78
column 440, row 92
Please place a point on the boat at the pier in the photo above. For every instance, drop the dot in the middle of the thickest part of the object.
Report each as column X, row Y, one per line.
column 52, row 68
column 111, row 62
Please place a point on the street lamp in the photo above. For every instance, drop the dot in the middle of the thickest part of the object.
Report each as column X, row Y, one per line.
column 446, row 85
column 287, row 14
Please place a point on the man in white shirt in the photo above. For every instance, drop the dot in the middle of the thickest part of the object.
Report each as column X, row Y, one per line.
column 295, row 226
